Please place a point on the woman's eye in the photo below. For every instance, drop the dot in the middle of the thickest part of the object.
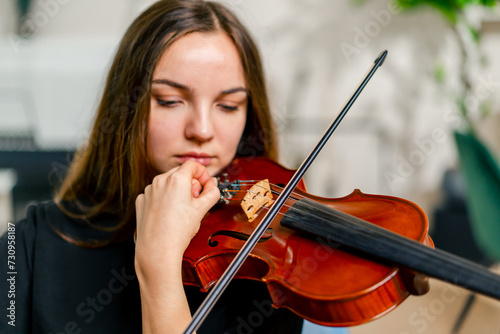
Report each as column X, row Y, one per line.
column 228, row 108
column 167, row 103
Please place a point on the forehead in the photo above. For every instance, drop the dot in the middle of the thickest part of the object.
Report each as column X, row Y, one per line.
column 201, row 53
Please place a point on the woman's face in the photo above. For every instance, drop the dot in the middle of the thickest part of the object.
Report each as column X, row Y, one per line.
column 198, row 103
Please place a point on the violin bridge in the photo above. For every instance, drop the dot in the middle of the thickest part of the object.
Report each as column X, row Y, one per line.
column 256, row 197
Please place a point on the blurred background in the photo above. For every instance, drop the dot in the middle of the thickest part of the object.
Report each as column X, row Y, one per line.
column 441, row 78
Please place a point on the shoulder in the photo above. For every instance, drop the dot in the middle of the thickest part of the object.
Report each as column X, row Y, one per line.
column 22, row 233
column 39, row 217
column 36, row 215
column 46, row 223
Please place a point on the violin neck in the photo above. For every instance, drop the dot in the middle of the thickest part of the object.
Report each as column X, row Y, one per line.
column 319, row 220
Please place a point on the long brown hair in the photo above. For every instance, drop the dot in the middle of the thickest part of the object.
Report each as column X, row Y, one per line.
column 112, row 169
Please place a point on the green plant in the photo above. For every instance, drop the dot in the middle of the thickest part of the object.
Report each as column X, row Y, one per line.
column 452, row 10
column 468, row 36
column 479, row 168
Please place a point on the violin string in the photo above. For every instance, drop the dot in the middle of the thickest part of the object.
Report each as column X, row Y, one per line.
column 248, row 191
column 263, row 207
column 252, row 183
column 248, row 183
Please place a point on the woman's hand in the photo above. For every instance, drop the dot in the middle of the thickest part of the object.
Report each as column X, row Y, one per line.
column 168, row 216
column 171, row 208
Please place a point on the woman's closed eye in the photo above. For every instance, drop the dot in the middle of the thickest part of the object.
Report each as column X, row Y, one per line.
column 167, row 103
column 228, row 107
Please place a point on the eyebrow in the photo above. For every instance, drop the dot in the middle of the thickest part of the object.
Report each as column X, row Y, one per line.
column 234, row 90
column 187, row 89
column 172, row 83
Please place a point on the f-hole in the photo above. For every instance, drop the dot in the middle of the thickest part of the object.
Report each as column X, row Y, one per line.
column 238, row 236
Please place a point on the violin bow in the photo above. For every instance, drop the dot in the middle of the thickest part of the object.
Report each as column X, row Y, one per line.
column 221, row 285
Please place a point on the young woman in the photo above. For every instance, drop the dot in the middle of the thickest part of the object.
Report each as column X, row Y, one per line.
column 184, row 96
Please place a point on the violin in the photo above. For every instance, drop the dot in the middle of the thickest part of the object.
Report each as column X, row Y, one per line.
column 344, row 276
column 314, row 277
column 335, row 262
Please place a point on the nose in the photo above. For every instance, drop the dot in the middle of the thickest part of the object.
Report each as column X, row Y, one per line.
column 200, row 125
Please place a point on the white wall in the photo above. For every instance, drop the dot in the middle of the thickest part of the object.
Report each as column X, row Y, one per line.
column 395, row 140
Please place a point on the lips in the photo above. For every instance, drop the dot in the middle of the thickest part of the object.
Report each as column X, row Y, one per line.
column 202, row 158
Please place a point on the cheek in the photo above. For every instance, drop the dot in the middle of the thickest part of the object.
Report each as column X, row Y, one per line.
column 160, row 136
column 232, row 132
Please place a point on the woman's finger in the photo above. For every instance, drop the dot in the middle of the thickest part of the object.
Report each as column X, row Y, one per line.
column 210, row 194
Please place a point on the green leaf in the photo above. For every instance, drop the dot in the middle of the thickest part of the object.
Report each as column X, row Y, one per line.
column 359, row 2
column 485, row 109
column 475, row 34
column 462, row 107
column 450, row 9
column 439, row 73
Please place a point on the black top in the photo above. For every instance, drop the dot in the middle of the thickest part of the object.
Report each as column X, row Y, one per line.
column 52, row 286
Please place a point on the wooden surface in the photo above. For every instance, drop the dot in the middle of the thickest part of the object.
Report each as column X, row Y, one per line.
column 436, row 313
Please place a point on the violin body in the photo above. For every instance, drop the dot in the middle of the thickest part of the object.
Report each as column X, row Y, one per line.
column 315, row 277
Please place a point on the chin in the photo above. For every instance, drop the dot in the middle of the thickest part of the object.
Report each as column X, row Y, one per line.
column 213, row 171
